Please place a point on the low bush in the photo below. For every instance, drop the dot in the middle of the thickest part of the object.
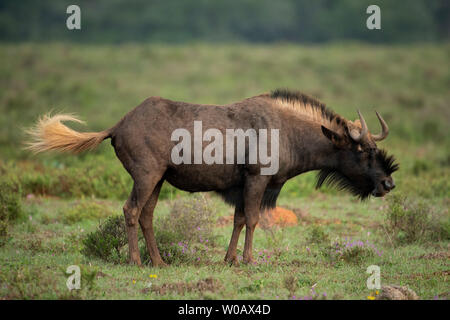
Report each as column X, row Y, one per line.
column 317, row 235
column 191, row 218
column 107, row 241
column 184, row 235
column 410, row 221
column 290, row 282
column 350, row 251
column 10, row 207
column 256, row 286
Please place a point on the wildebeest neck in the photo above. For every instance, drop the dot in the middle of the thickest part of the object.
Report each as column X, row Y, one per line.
column 311, row 150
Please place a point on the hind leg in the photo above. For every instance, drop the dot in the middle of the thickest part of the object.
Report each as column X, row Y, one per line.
column 143, row 187
column 239, row 222
column 146, row 222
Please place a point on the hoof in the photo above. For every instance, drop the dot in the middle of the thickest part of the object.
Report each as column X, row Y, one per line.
column 159, row 264
column 233, row 261
column 135, row 259
column 135, row 263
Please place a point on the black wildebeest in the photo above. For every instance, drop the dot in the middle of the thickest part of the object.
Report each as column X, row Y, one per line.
column 311, row 137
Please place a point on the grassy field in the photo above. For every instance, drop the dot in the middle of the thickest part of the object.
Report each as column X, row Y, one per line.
column 50, row 203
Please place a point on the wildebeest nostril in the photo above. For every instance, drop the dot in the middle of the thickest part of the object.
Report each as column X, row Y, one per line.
column 388, row 185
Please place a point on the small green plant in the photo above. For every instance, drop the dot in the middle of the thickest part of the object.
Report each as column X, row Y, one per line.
column 255, row 286
column 107, row 241
column 304, row 281
column 317, row 235
column 291, row 284
column 274, row 236
column 357, row 254
column 88, row 276
column 34, row 245
column 88, row 286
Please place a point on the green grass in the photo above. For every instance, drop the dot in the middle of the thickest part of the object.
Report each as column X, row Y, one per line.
column 45, row 249
column 65, row 197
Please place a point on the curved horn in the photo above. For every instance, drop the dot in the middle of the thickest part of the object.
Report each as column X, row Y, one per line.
column 384, row 129
column 355, row 134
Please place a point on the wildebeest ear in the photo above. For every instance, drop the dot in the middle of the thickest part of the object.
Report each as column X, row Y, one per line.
column 333, row 136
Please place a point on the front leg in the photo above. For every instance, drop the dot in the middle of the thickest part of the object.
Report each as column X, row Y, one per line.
column 253, row 194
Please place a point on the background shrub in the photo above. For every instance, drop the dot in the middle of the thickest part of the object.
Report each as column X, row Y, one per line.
column 317, row 234
column 184, row 235
column 91, row 175
column 350, row 250
column 409, row 221
column 190, row 218
column 86, row 210
column 10, row 207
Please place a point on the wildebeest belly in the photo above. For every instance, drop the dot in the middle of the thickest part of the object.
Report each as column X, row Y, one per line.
column 198, row 178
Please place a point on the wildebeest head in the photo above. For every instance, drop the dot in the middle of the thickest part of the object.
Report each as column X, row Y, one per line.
column 361, row 167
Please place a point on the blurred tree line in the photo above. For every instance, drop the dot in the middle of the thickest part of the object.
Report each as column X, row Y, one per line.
column 224, row 20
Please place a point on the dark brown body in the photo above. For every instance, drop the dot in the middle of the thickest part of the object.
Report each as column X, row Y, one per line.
column 142, row 143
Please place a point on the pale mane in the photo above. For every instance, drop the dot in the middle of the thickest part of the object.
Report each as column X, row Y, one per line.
column 308, row 108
